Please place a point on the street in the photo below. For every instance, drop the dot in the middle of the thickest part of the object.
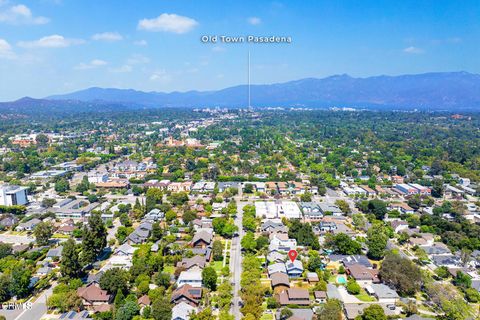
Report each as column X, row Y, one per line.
column 236, row 259
column 38, row 310
column 16, row 239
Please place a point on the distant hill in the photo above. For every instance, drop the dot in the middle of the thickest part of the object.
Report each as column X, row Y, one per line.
column 434, row 91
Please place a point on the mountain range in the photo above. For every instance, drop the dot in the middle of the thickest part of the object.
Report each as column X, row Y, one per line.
column 451, row 91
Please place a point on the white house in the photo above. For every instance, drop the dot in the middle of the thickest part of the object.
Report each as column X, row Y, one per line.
column 182, row 311
column 191, row 277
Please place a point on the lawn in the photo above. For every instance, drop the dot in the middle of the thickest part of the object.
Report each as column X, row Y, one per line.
column 267, row 316
column 217, row 265
column 364, row 296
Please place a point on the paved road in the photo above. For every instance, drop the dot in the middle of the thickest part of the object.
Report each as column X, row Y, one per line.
column 236, row 259
column 111, row 232
column 38, row 310
column 16, row 239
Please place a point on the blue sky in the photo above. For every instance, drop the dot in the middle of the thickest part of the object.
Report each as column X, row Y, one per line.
column 57, row 46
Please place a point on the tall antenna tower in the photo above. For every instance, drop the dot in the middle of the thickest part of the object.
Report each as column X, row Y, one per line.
column 249, row 96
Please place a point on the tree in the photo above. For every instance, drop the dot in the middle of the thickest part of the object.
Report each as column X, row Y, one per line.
column 400, row 273
column 248, row 188
column 42, row 140
column 306, row 197
column 156, row 231
column 332, row 310
column 5, row 250
column 449, row 300
column 127, row 311
column 205, row 314
column 161, row 309
column 70, row 264
column 376, row 241
column 343, row 206
column 153, row 197
column 378, row 208
column 48, row 202
column 374, row 312
column 285, row 313
column 472, row 295
column 353, row 287
column 43, row 232
column 248, row 242
column 314, row 263
column 115, row 279
column 343, row 244
column 249, row 223
column 189, row 216
column 217, row 250
column 209, row 278
column 62, row 185
column 20, row 284
column 462, row 280
column 163, row 279
column 304, row 235
column 4, row 287
column 83, row 186
column 94, row 238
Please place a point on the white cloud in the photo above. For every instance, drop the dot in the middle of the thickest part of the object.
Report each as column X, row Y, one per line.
column 6, row 51
column 254, row 21
column 137, row 59
column 160, row 76
column 413, row 50
column 21, row 14
column 140, row 43
column 122, row 69
column 107, row 36
column 168, row 23
column 53, row 41
column 95, row 63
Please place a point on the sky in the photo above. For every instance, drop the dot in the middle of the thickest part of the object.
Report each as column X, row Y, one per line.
column 57, row 46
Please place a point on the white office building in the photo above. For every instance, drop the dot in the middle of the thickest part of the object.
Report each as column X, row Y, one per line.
column 13, row 195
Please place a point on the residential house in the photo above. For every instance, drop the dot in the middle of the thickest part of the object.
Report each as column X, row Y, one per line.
column 182, row 311
column 54, row 253
column 8, row 221
column 195, row 261
column 279, row 281
column 294, row 269
column 276, row 267
column 383, row 293
column 294, row 296
column 29, row 225
column 141, row 233
column 320, row 296
column 154, row 215
column 312, row 277
column 187, row 294
column 399, row 225
column 401, row 207
column 92, row 295
column 282, row 242
column 191, row 277
column 364, row 276
column 311, row 211
column 125, row 250
column 202, row 239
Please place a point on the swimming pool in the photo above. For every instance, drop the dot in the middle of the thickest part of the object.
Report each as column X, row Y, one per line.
column 341, row 280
